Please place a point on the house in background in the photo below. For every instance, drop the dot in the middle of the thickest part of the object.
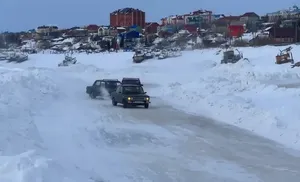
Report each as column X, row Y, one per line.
column 251, row 20
column 173, row 20
column 76, row 32
column 199, row 19
column 46, row 29
column 191, row 29
column 291, row 13
column 236, row 29
column 190, row 22
column 103, row 31
column 222, row 24
column 46, row 32
column 151, row 27
column 249, row 17
column 92, row 28
column 287, row 32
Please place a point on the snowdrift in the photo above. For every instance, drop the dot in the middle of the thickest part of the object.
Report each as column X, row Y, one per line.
column 20, row 98
column 49, row 132
column 28, row 167
column 259, row 95
column 23, row 94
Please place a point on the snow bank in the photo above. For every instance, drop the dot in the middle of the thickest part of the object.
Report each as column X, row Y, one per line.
column 20, row 97
column 247, row 94
column 51, row 130
column 29, row 167
column 23, row 94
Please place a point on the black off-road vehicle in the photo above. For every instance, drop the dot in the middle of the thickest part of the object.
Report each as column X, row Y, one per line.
column 101, row 86
column 130, row 95
column 132, row 81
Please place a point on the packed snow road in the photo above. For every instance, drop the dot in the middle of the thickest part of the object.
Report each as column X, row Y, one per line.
column 210, row 151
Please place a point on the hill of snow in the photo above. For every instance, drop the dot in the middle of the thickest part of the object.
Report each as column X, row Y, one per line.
column 259, row 95
column 38, row 108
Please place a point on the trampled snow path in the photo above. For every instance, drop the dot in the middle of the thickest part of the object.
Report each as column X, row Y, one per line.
column 53, row 131
column 74, row 138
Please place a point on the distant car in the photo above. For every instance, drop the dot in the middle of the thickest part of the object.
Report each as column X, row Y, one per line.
column 100, row 86
column 132, row 81
column 130, row 95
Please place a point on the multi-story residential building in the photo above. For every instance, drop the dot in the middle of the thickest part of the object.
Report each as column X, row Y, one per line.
column 127, row 17
column 200, row 18
column 291, row 13
column 173, row 20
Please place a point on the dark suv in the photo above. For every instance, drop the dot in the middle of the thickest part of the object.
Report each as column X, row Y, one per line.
column 130, row 95
column 132, row 81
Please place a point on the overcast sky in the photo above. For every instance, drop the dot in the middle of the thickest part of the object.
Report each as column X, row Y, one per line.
column 16, row 15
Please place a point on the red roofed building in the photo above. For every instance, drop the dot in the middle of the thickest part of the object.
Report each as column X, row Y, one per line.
column 191, row 28
column 236, row 30
column 151, row 27
column 92, row 28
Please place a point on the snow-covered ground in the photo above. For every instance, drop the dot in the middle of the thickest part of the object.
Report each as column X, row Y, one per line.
column 51, row 131
column 258, row 95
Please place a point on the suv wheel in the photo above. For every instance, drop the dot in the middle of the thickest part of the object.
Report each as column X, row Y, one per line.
column 92, row 95
column 125, row 105
column 114, row 103
column 146, row 106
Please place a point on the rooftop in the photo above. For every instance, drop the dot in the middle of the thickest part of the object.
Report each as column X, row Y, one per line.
column 125, row 10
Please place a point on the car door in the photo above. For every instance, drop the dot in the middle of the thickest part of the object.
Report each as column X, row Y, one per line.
column 96, row 86
column 118, row 94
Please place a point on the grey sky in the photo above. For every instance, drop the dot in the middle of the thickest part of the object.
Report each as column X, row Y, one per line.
column 16, row 15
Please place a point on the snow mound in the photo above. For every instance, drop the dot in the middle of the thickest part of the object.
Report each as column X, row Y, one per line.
column 251, row 107
column 20, row 98
column 257, row 95
column 29, row 167
column 24, row 93
column 82, row 68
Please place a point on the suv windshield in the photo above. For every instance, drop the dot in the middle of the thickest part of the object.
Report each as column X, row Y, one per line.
column 133, row 90
column 131, row 82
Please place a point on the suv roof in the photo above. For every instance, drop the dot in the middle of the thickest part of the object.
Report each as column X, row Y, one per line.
column 130, row 85
column 110, row 80
column 130, row 79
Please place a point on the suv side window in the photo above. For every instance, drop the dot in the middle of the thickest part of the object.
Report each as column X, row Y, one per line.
column 119, row 89
column 97, row 83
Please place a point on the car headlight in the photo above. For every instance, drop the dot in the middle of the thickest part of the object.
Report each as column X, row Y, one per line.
column 147, row 98
column 129, row 98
